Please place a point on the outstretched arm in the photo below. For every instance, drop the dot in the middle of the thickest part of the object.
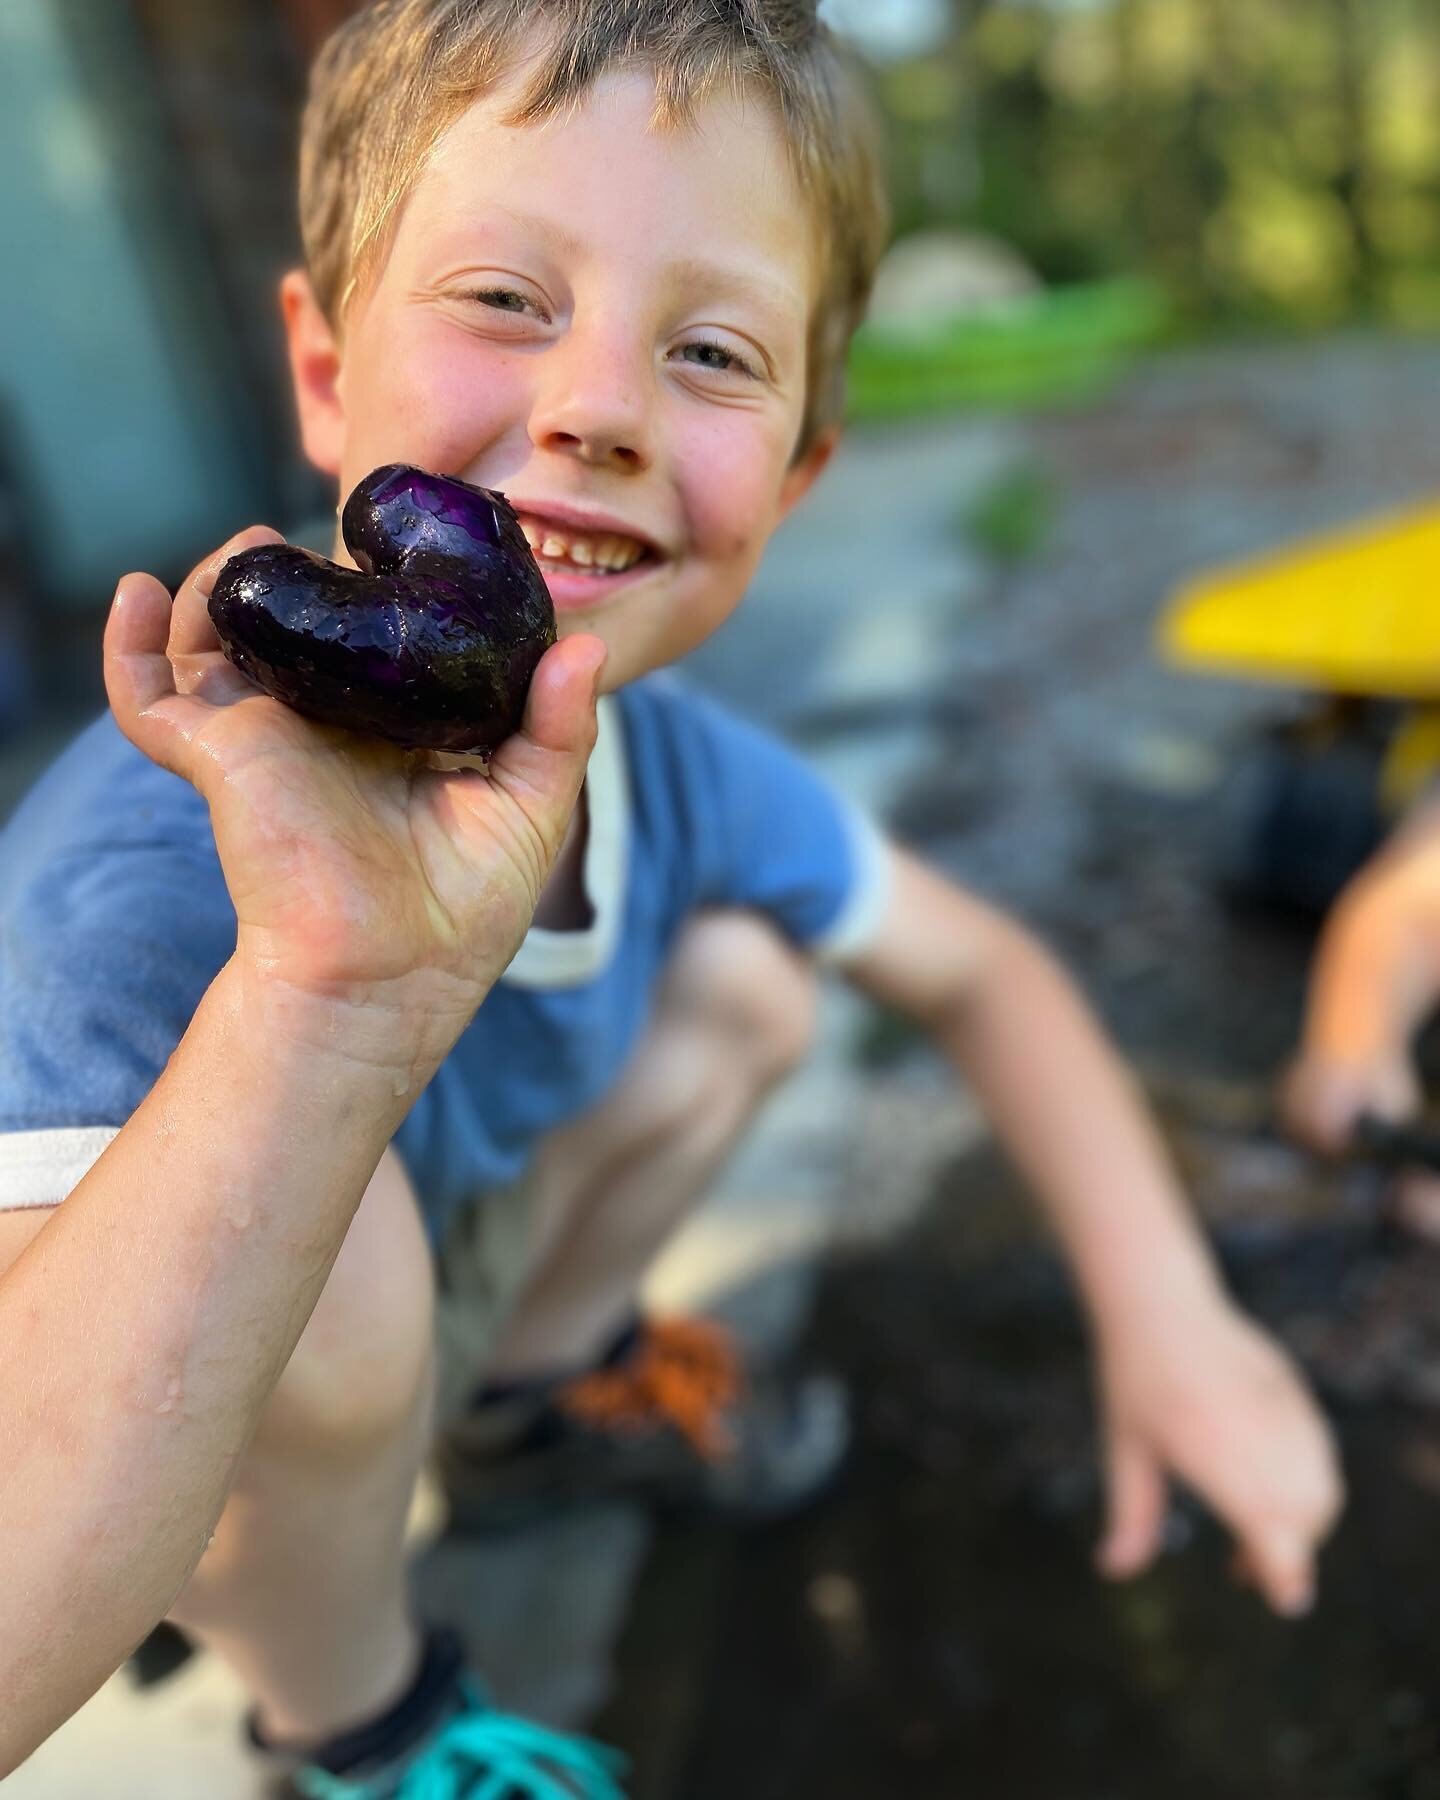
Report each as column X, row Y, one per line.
column 1188, row 1387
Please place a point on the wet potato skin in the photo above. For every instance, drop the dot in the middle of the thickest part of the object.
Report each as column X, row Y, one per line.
column 430, row 641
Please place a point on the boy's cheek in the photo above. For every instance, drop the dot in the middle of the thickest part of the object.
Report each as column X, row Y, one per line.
column 733, row 494
column 438, row 412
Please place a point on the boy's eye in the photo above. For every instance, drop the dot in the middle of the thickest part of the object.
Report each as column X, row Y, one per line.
column 505, row 298
column 704, row 353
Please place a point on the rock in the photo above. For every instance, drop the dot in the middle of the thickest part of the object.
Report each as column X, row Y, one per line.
column 932, row 273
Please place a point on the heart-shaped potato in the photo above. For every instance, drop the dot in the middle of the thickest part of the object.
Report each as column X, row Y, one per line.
column 430, row 641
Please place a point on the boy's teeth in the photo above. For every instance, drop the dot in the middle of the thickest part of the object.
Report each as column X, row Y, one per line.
column 585, row 550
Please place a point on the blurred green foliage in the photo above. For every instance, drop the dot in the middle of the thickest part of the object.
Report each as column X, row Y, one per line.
column 1267, row 161
column 1010, row 519
column 1061, row 345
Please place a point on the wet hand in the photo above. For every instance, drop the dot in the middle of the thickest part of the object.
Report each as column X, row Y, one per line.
column 360, row 873
column 1214, row 1402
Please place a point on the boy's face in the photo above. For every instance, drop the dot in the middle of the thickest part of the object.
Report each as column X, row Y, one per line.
column 610, row 325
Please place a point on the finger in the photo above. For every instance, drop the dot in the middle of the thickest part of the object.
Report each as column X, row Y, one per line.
column 191, row 632
column 137, row 670
column 545, row 760
column 1417, row 1204
column 560, row 711
column 1137, row 1500
column 1321, row 1103
column 1281, row 1562
column 201, row 665
column 139, row 681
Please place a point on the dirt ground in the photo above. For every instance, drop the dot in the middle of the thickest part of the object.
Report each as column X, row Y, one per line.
column 935, row 1629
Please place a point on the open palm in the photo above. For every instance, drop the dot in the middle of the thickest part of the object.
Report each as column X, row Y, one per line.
column 357, row 869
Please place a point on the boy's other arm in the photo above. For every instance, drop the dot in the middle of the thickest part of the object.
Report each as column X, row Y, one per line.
column 1375, row 981
column 1188, row 1386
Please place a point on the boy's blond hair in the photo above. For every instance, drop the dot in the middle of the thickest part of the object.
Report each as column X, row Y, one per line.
column 393, row 78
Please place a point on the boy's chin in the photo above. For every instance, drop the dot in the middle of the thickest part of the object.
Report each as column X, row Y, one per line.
column 626, row 660
column 643, row 639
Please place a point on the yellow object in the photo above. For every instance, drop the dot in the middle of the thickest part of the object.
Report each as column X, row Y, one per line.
column 1357, row 612
column 1412, row 762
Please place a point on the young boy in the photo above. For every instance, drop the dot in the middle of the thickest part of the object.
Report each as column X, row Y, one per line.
column 604, row 255
column 1375, row 983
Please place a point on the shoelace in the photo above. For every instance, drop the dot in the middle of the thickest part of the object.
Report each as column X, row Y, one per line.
column 683, row 1372
column 481, row 1754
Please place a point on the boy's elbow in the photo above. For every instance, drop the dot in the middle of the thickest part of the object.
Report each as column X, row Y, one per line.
column 1014, row 971
column 942, row 952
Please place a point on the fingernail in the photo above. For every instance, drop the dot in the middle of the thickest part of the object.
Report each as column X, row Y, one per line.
column 1112, row 1563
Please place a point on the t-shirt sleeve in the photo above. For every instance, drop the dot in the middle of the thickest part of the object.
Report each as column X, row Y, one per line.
column 107, row 944
column 771, row 833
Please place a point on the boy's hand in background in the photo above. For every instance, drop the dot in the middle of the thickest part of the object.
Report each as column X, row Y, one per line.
column 1202, row 1395
column 360, row 874
column 1376, row 978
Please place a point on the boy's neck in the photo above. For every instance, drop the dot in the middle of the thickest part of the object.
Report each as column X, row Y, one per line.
column 564, row 904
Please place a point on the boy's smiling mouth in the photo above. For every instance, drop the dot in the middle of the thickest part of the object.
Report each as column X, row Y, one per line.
column 583, row 558
column 599, row 553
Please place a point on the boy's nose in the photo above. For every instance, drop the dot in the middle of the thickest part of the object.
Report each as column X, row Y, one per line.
column 594, row 404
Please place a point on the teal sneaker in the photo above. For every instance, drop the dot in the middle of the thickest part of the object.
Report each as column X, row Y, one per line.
column 445, row 1741
column 481, row 1754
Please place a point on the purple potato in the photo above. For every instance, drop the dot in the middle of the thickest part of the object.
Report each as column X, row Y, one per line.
column 430, row 641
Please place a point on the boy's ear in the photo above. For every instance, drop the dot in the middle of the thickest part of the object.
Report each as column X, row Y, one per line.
column 801, row 476
column 315, row 372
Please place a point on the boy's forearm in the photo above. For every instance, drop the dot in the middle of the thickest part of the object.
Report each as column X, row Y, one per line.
column 1068, row 1112
column 144, row 1327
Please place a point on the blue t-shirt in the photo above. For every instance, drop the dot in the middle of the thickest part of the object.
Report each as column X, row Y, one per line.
column 114, row 919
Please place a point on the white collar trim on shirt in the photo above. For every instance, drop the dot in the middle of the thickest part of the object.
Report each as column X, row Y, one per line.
column 559, row 959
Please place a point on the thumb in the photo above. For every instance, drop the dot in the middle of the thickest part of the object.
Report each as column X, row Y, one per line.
column 1136, row 1514
column 545, row 759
